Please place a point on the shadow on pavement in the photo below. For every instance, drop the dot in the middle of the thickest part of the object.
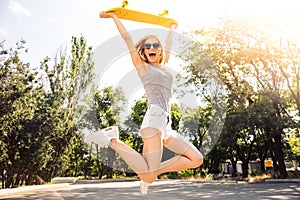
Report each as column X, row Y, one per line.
column 166, row 190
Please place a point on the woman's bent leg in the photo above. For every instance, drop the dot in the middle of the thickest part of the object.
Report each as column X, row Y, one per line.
column 134, row 159
column 147, row 165
column 152, row 151
column 189, row 156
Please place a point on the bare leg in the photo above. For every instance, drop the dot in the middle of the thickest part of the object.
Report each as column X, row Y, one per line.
column 147, row 165
column 134, row 159
column 189, row 156
column 152, row 151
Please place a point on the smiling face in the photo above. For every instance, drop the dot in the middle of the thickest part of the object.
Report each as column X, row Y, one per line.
column 150, row 50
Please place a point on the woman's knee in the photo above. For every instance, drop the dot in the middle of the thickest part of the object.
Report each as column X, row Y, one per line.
column 182, row 146
column 149, row 177
column 197, row 158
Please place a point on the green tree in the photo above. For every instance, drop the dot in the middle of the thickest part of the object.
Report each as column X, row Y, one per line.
column 68, row 80
column 77, row 157
column 37, row 120
column 248, row 63
column 17, row 104
column 294, row 141
column 107, row 105
column 133, row 124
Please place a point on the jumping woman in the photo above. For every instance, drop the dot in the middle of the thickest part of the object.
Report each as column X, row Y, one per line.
column 149, row 59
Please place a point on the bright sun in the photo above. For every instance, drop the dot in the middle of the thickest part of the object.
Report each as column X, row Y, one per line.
column 278, row 16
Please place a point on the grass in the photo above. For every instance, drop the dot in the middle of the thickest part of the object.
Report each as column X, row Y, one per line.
column 259, row 178
column 272, row 175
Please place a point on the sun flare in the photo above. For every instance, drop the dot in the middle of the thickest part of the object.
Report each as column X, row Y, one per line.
column 280, row 18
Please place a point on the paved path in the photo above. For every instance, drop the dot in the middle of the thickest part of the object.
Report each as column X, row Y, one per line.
column 160, row 190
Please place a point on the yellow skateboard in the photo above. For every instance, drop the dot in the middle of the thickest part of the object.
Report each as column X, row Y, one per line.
column 124, row 13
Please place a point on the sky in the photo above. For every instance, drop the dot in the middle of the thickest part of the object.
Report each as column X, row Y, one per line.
column 48, row 25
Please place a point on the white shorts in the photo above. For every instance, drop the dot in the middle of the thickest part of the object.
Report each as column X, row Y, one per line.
column 158, row 118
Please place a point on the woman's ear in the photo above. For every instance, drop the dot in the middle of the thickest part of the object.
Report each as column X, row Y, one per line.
column 142, row 55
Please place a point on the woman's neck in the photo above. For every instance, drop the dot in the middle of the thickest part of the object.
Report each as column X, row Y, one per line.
column 157, row 65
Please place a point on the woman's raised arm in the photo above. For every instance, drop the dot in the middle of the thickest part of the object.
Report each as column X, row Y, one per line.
column 169, row 42
column 137, row 62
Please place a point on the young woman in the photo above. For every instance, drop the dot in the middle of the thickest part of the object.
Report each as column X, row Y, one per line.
column 149, row 58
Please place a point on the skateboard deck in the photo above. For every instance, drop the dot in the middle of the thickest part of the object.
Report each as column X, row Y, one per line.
column 124, row 13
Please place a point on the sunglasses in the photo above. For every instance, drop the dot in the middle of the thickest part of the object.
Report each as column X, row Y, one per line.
column 148, row 45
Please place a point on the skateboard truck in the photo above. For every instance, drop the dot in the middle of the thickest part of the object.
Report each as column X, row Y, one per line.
column 124, row 3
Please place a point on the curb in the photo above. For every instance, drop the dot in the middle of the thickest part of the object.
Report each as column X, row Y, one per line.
column 246, row 182
column 290, row 180
column 64, row 180
column 104, row 181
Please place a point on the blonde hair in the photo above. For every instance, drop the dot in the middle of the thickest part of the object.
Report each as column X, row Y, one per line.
column 141, row 50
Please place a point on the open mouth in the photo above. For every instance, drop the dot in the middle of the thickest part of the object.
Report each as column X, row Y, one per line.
column 152, row 55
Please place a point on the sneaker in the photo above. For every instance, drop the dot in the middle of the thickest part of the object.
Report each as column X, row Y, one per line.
column 103, row 136
column 144, row 187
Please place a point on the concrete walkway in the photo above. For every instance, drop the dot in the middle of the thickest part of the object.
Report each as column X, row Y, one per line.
column 167, row 189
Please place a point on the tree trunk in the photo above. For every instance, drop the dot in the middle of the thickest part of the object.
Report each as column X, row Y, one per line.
column 17, row 180
column 2, row 178
column 99, row 167
column 100, row 172
column 245, row 168
column 280, row 155
column 88, row 164
column 9, row 180
column 233, row 168
column 110, row 162
column 278, row 150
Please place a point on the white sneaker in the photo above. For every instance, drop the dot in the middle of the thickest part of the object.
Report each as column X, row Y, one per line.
column 144, row 187
column 103, row 136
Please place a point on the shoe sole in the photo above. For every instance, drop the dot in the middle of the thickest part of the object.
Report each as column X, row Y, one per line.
column 111, row 131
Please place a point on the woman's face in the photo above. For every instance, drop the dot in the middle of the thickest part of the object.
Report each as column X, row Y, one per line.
column 152, row 50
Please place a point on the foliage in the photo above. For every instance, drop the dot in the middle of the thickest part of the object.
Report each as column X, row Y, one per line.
column 104, row 111
column 133, row 124
column 258, row 75
column 294, row 142
column 37, row 116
